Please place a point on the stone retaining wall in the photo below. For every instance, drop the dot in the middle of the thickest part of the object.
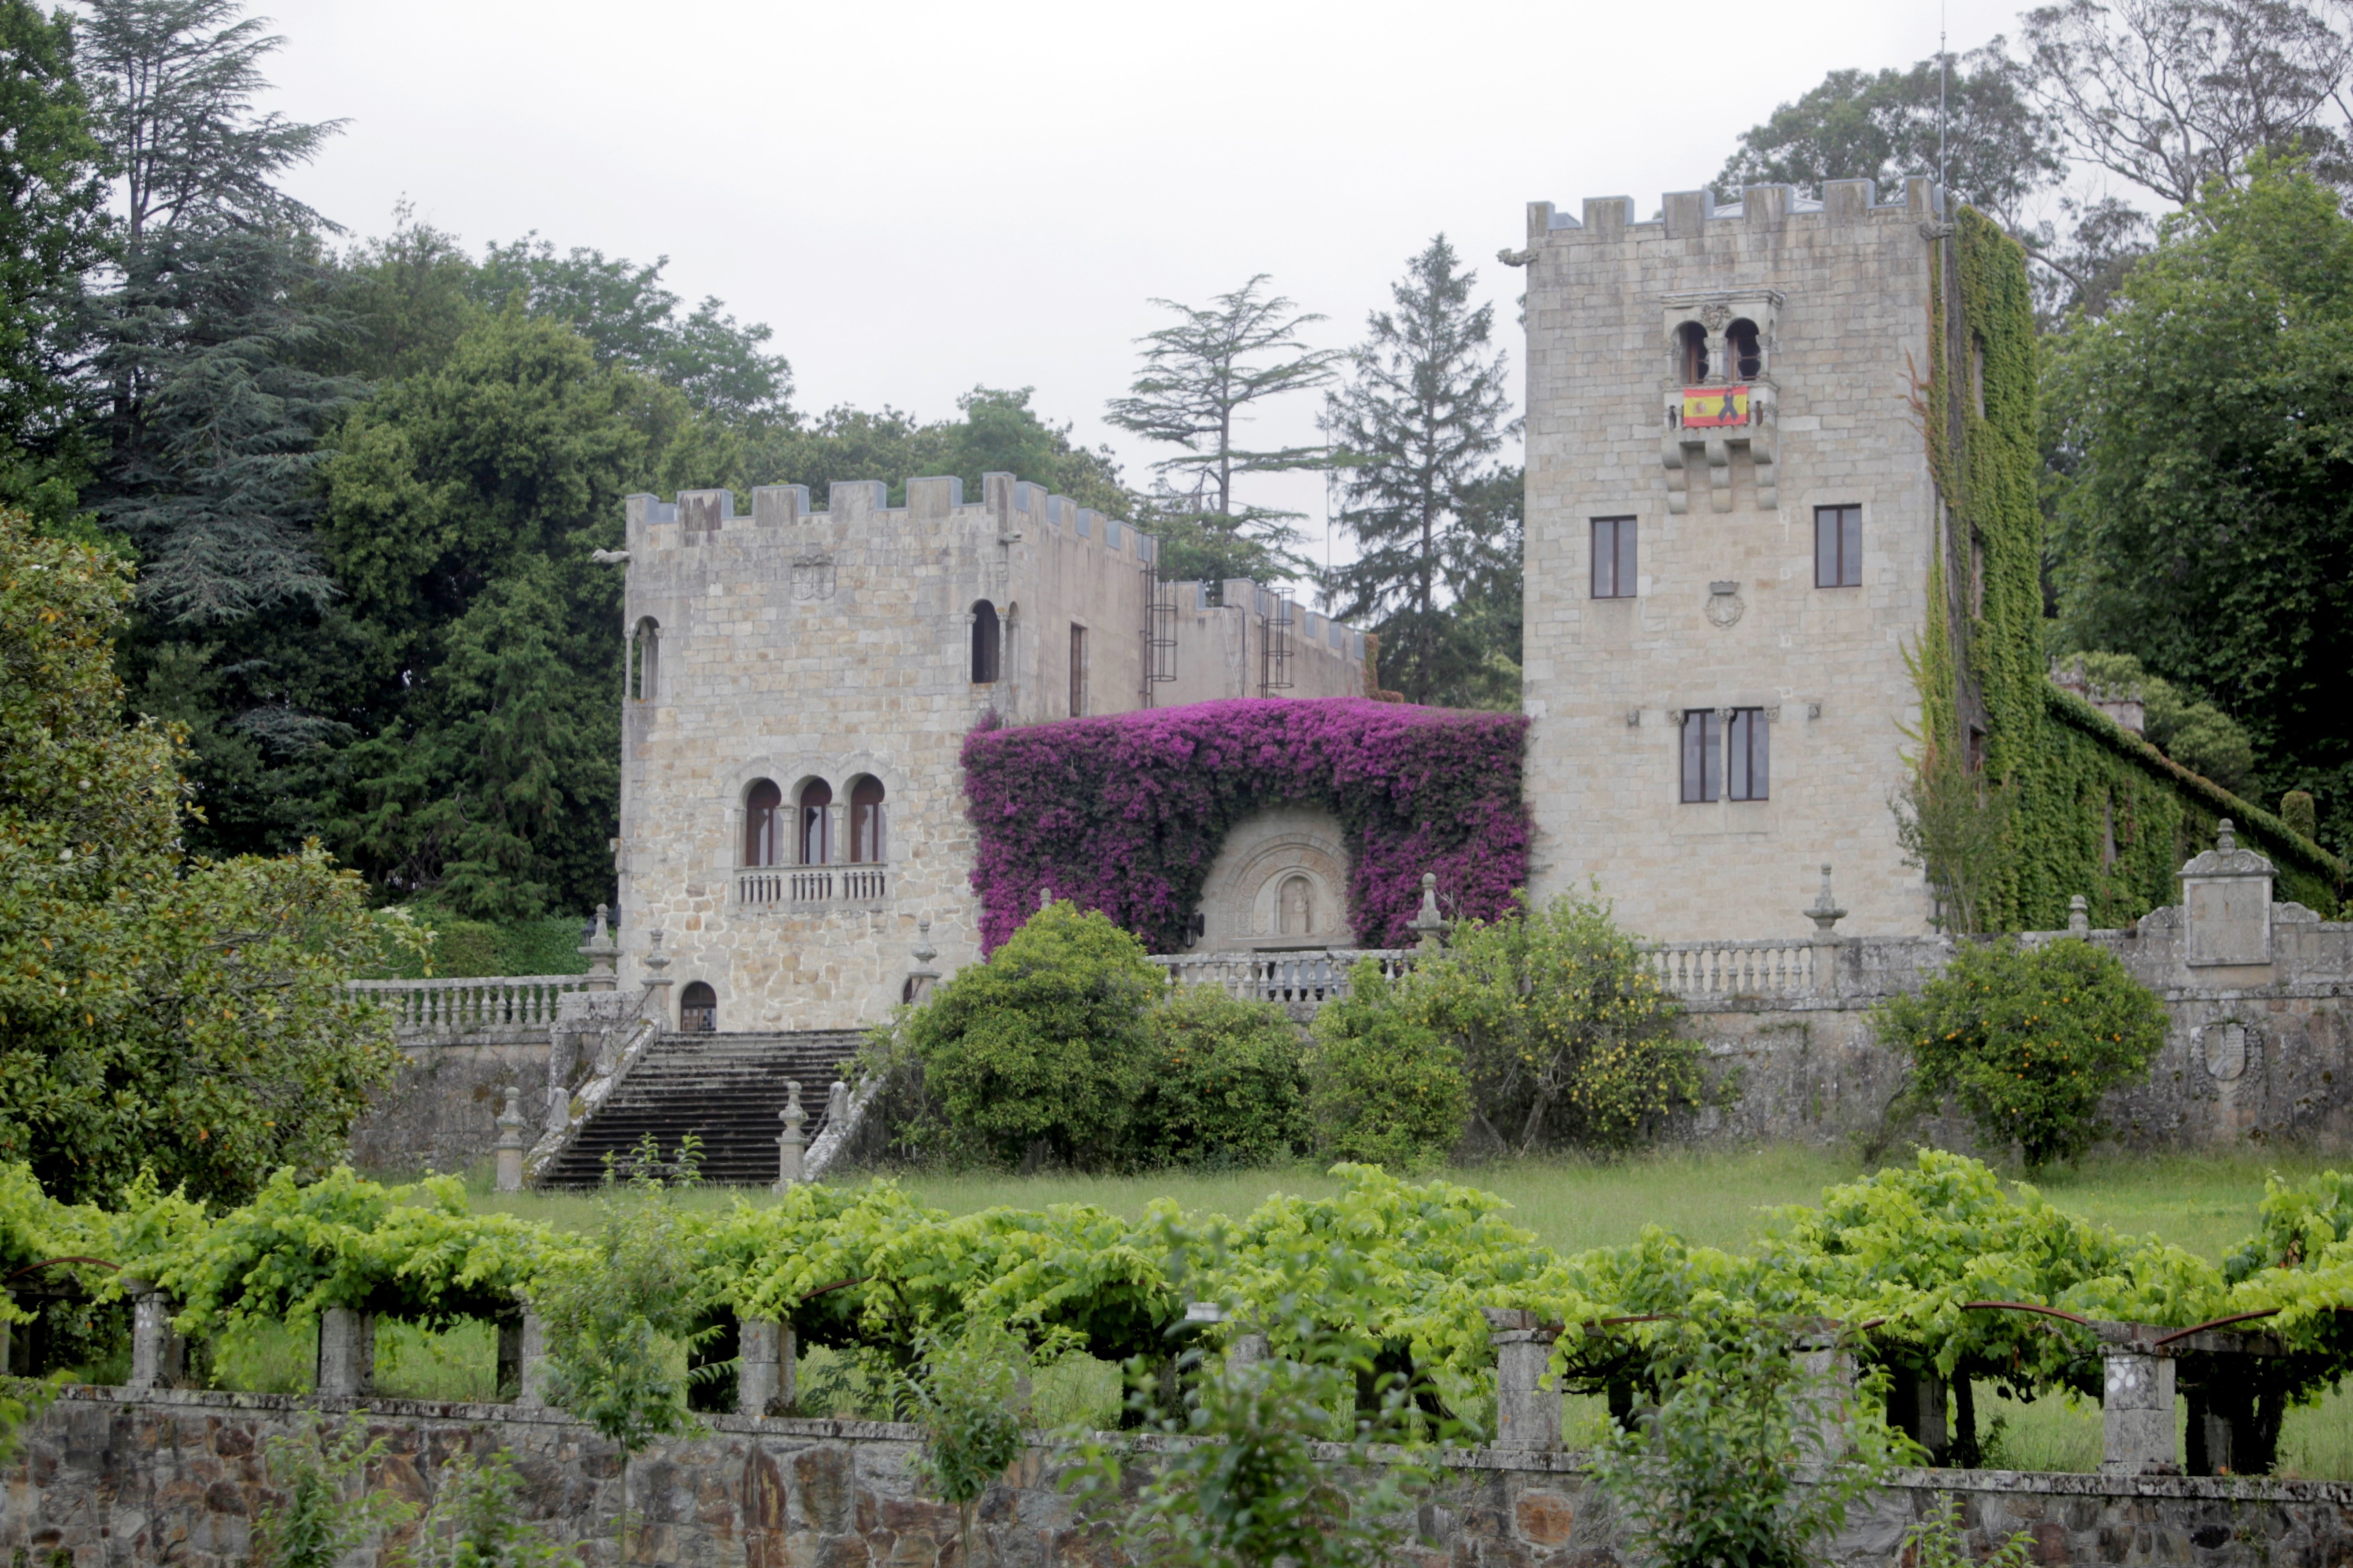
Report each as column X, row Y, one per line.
column 441, row 1113
column 108, row 1478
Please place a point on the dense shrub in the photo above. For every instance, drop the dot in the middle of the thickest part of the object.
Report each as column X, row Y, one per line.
column 1125, row 814
column 1567, row 1034
column 1225, row 1084
column 1044, row 1043
column 1386, row 1088
column 2028, row 1040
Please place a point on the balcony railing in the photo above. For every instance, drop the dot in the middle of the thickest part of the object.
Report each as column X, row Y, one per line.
column 783, row 887
column 1309, row 978
column 465, row 1007
column 1774, row 966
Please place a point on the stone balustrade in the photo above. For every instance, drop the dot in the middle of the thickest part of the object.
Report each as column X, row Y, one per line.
column 778, row 886
column 474, row 1004
column 1295, row 980
column 1774, row 966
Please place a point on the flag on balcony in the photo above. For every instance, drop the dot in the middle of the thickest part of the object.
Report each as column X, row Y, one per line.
column 1713, row 407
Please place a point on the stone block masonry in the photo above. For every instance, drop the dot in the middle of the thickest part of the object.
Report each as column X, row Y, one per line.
column 109, row 1480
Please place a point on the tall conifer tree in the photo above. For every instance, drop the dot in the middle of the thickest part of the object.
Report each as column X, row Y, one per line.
column 1412, row 428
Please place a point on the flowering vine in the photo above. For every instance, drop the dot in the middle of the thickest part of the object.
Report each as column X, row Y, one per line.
column 1125, row 814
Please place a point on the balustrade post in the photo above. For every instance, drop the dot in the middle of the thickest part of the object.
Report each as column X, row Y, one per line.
column 1527, row 1414
column 598, row 950
column 791, row 1142
column 657, row 983
column 1826, row 915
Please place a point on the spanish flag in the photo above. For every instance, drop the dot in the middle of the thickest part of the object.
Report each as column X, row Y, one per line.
column 1712, row 407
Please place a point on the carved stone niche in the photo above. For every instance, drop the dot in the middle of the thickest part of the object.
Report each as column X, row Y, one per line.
column 1280, row 880
column 1685, row 445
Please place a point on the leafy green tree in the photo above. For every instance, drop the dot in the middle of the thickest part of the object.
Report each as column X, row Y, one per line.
column 2202, row 525
column 1202, row 378
column 1226, row 1085
column 1997, row 149
column 1567, row 1034
column 632, row 321
column 2028, row 1040
column 54, row 232
column 183, row 1014
column 1044, row 1048
column 998, row 432
column 1421, row 412
column 1485, row 571
column 462, row 507
column 1752, row 1455
column 968, row 1399
column 1384, row 1088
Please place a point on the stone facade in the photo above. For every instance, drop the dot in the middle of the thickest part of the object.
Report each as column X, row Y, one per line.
column 838, row 647
column 109, row 1480
column 1280, row 880
column 1716, row 608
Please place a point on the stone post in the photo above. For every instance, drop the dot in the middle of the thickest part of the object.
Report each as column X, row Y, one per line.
column 791, row 1142
column 346, row 1367
column 531, row 1361
column 657, row 984
column 2079, row 915
column 599, row 950
column 1826, row 915
column 157, row 1351
column 837, row 1105
column 2226, row 896
column 1427, row 925
column 923, row 977
column 2136, row 1414
column 1828, row 1364
column 1527, row 1414
column 509, row 1144
column 766, row 1351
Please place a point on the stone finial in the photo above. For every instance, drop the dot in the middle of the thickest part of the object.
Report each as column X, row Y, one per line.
column 791, row 1142
column 1825, row 911
column 2079, row 916
column 921, row 978
column 1045, row 898
column 599, row 950
column 509, row 1144
column 1428, row 924
column 837, row 1104
column 2226, row 836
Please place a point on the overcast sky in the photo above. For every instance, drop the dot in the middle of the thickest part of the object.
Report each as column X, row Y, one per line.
column 920, row 197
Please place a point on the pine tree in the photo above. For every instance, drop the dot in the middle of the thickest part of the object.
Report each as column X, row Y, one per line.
column 1200, row 379
column 211, row 418
column 1412, row 427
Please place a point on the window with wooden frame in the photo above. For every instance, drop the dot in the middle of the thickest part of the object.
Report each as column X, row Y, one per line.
column 1726, row 757
column 1613, row 558
column 1838, row 547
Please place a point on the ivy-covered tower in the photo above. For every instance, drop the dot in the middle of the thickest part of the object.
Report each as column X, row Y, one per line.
column 1733, row 537
column 1783, row 555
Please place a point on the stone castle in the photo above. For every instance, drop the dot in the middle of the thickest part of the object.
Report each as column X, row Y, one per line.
column 1732, row 530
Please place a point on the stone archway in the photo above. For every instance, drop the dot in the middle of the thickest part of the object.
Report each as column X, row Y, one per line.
column 1280, row 880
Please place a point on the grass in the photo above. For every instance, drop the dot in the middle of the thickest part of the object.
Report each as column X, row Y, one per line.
column 2206, row 1204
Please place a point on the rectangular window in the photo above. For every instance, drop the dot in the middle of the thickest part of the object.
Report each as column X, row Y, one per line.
column 1613, row 557
column 1726, row 761
column 1078, row 671
column 1838, row 547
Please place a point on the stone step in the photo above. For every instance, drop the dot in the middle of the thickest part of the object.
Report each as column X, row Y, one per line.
column 725, row 1090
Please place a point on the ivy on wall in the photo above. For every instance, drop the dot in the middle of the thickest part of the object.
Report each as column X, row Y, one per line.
column 1125, row 814
column 2094, row 809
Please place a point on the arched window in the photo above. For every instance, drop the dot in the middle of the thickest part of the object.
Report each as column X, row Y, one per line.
column 1691, row 352
column 764, row 825
column 867, row 843
column 984, row 642
column 645, row 660
column 816, row 822
column 1747, row 359
column 698, row 1009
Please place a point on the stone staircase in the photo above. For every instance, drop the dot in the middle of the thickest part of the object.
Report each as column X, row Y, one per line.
column 726, row 1090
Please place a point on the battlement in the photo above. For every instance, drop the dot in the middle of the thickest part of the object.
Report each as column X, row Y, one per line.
column 1309, row 629
column 1013, row 505
column 1687, row 214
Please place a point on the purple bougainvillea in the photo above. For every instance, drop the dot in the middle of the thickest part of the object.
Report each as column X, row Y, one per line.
column 1124, row 813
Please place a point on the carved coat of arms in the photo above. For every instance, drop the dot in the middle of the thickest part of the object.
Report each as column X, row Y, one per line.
column 813, row 577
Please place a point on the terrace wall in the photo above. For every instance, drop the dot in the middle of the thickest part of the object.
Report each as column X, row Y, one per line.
column 108, row 1480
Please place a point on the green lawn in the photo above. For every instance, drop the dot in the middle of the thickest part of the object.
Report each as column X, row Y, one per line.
column 2206, row 1204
